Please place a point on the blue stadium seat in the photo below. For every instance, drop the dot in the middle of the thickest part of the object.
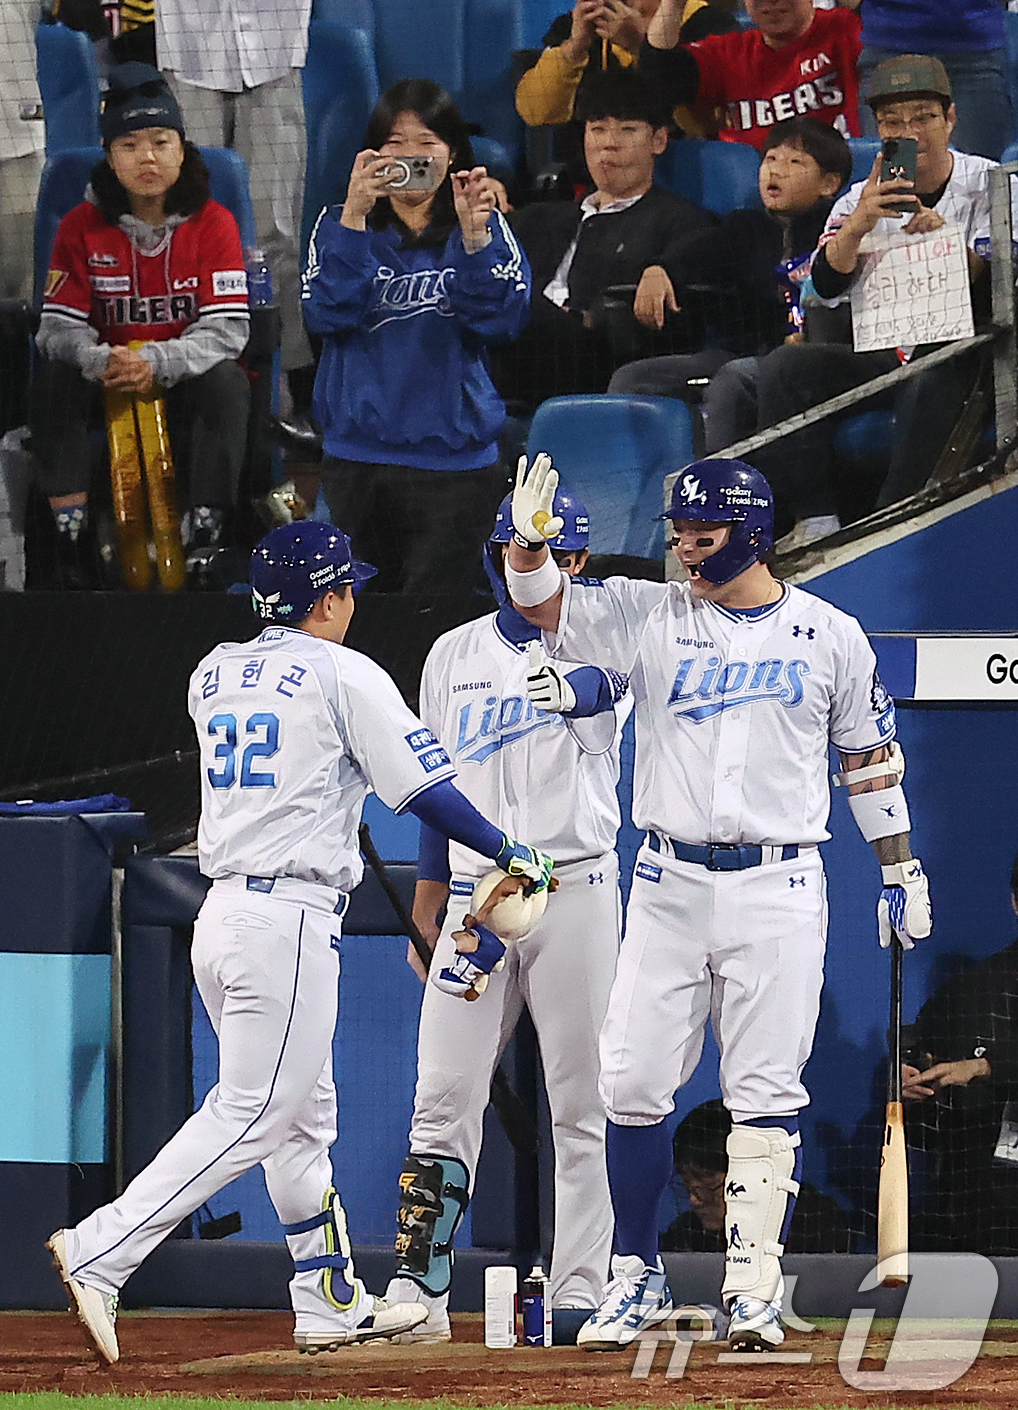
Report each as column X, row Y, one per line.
column 423, row 39
column 1009, row 154
column 721, row 176
column 493, row 29
column 866, row 436
column 340, row 89
column 1011, row 41
column 355, row 14
column 864, row 150
column 66, row 175
column 614, row 452
column 69, row 86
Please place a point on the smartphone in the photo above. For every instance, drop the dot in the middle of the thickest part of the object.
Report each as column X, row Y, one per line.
column 898, row 163
column 411, row 174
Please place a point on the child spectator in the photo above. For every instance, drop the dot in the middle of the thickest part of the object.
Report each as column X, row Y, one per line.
column 146, row 256
column 754, row 267
column 406, row 288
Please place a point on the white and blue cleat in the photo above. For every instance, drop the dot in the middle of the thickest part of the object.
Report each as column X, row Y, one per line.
column 754, row 1325
column 636, row 1298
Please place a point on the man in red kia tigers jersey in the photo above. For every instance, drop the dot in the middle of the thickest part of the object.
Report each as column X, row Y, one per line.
column 797, row 62
column 147, row 257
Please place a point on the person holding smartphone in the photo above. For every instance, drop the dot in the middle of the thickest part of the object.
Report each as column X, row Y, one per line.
column 406, row 283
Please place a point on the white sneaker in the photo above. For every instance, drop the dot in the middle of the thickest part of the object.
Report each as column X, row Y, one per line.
column 436, row 1328
column 754, row 1325
column 367, row 1318
column 96, row 1311
column 808, row 531
column 636, row 1298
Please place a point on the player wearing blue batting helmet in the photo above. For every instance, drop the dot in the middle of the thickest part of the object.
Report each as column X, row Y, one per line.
column 726, row 492
column 299, row 563
column 573, row 538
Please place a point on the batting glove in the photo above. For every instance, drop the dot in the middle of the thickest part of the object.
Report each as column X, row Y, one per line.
column 479, row 953
column 904, row 905
column 547, row 686
column 517, row 859
column 533, row 503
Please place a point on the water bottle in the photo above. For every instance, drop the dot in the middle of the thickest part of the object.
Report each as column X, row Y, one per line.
column 536, row 1308
column 259, row 280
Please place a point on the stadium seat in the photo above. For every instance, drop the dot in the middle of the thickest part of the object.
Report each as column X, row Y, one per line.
column 1011, row 41
column 65, row 177
column 614, row 452
column 864, row 149
column 69, row 86
column 425, row 39
column 866, row 436
column 340, row 89
column 492, row 32
column 354, row 14
column 721, row 176
column 1009, row 154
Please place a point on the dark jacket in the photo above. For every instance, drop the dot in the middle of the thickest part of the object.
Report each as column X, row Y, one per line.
column 819, row 1225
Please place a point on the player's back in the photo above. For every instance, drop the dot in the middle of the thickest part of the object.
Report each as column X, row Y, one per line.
column 281, row 794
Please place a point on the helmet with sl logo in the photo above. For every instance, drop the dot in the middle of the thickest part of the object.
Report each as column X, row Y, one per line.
column 726, row 492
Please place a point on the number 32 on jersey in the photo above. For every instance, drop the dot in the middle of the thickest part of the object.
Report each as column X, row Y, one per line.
column 261, row 733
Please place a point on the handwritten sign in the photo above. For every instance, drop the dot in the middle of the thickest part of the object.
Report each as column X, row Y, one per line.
column 914, row 289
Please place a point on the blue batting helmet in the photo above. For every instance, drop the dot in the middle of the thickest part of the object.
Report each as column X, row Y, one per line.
column 726, row 492
column 298, row 563
column 574, row 516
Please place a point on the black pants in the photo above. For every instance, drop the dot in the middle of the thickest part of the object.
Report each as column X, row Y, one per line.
column 422, row 529
column 208, row 430
column 801, row 468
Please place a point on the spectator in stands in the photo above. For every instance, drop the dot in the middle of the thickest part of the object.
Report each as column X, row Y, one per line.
column 146, row 256
column 236, row 72
column 754, row 266
column 797, row 62
column 910, row 95
column 22, row 138
column 960, row 1085
column 605, row 270
column 406, row 289
column 818, row 1225
column 968, row 38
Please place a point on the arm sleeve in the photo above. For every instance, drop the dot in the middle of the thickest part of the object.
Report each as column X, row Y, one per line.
column 675, row 72
column 432, row 854
column 336, row 286
column 862, row 712
column 830, row 283
column 490, row 294
column 596, row 690
column 203, row 345
column 547, row 92
column 69, row 340
column 65, row 331
column 443, row 808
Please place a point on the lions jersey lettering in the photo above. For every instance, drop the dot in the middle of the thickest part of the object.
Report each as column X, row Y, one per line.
column 396, row 296
column 725, row 685
column 484, row 727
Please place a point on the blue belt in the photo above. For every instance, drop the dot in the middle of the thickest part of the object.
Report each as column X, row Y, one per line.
column 721, row 856
column 266, row 883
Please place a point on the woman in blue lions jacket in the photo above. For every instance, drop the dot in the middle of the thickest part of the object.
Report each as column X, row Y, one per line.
column 406, row 288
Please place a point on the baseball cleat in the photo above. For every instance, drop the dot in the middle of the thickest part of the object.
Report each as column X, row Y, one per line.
column 382, row 1319
column 95, row 1310
column 754, row 1325
column 436, row 1328
column 636, row 1298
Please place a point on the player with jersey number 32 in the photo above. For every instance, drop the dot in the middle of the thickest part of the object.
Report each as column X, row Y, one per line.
column 740, row 683
column 293, row 730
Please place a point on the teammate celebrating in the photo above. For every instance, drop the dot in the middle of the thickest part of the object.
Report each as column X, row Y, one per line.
column 293, row 730
column 556, row 774
column 740, row 683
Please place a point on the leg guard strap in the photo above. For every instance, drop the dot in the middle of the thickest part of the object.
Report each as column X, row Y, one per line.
column 322, row 1244
column 433, row 1199
column 328, row 1260
column 304, row 1226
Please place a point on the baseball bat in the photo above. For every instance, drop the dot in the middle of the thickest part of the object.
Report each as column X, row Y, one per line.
column 128, row 488
column 517, row 1122
column 892, row 1198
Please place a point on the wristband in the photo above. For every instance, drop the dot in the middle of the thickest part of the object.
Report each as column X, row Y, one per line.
column 533, row 588
column 880, row 814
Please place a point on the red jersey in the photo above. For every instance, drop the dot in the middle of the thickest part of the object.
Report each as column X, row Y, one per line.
column 98, row 275
column 758, row 86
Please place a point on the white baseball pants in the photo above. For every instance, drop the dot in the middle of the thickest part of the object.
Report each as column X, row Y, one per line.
column 562, row 971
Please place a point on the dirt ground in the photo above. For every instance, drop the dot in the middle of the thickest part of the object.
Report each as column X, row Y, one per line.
column 249, row 1355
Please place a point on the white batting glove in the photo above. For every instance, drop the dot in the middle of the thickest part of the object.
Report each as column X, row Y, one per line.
column 547, row 687
column 533, row 502
column 904, row 905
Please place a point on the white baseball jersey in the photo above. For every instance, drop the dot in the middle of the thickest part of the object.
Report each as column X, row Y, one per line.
column 293, row 731
column 734, row 713
column 527, row 769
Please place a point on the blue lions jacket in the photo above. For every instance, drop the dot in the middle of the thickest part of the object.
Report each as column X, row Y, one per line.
column 403, row 378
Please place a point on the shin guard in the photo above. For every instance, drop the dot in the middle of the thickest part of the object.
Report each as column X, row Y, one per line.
column 761, row 1165
column 323, row 1243
column 433, row 1199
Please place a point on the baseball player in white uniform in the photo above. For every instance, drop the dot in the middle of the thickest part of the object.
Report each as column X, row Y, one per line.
column 740, row 684
column 554, row 775
column 293, row 730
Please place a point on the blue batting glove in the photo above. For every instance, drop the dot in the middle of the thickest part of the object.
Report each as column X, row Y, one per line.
column 467, row 976
column 518, row 859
